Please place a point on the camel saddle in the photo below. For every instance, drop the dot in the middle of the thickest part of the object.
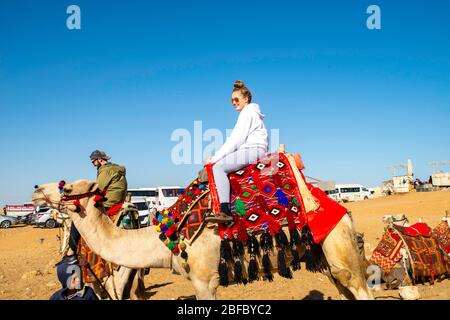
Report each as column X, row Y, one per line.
column 264, row 196
column 427, row 259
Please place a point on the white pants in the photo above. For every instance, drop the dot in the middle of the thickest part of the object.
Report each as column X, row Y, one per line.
column 230, row 163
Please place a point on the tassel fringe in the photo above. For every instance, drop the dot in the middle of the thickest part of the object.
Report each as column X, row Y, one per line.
column 313, row 254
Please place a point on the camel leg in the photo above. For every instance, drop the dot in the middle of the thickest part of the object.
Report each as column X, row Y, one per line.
column 137, row 289
column 345, row 263
column 206, row 289
column 121, row 278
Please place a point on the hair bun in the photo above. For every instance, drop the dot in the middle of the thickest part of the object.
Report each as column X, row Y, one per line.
column 238, row 84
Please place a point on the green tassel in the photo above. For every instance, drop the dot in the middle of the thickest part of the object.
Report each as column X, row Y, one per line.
column 171, row 245
column 240, row 207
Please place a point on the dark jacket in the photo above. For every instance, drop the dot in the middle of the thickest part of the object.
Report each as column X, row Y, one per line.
column 111, row 177
column 84, row 294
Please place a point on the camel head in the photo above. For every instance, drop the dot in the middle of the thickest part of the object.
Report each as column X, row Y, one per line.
column 49, row 194
column 46, row 195
column 399, row 219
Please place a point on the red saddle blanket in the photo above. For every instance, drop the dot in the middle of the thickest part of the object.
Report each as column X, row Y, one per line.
column 264, row 195
column 418, row 229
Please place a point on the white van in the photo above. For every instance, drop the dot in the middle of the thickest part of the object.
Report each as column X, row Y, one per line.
column 148, row 195
column 167, row 196
column 160, row 198
column 350, row 192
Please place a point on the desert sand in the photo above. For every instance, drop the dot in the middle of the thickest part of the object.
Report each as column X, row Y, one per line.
column 28, row 255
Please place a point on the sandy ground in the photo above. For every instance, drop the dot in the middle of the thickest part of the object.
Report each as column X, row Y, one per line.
column 28, row 254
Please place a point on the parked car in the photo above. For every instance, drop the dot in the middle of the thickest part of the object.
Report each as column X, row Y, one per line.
column 42, row 218
column 7, row 221
column 25, row 219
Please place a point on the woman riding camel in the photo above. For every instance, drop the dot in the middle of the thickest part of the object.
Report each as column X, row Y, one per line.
column 247, row 143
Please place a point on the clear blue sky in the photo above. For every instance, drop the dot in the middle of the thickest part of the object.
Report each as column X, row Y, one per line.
column 352, row 101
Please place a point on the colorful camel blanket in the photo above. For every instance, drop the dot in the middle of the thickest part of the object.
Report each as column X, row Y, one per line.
column 387, row 253
column 442, row 235
column 428, row 261
column 264, row 196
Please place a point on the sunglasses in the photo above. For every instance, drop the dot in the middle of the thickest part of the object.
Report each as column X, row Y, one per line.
column 233, row 100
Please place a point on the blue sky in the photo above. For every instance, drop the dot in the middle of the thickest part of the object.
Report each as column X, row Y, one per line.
column 352, row 101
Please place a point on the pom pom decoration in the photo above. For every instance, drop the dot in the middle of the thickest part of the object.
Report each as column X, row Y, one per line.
column 162, row 237
column 176, row 250
column 78, row 206
column 98, row 198
column 171, row 245
column 61, row 185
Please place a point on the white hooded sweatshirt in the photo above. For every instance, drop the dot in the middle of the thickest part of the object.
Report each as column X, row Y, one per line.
column 249, row 132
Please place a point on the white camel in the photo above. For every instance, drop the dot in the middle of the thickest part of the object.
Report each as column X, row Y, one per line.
column 116, row 283
column 142, row 248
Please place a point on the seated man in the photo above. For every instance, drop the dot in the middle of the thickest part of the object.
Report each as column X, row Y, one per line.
column 112, row 181
column 73, row 287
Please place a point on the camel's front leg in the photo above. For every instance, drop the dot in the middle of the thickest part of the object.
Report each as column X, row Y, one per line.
column 115, row 284
column 206, row 289
column 137, row 291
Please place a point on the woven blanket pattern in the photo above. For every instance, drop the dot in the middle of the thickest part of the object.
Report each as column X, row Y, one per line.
column 264, row 196
column 442, row 235
column 99, row 266
column 427, row 258
column 387, row 253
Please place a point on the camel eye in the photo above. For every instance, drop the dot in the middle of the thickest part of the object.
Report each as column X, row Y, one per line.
column 67, row 190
